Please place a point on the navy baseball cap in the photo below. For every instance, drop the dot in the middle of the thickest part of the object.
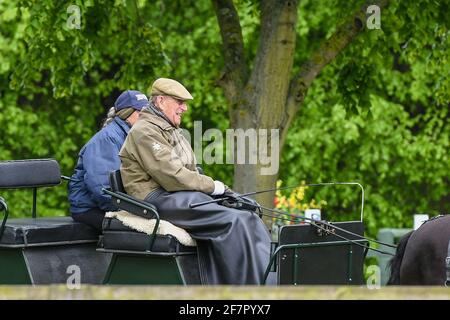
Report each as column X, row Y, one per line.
column 131, row 99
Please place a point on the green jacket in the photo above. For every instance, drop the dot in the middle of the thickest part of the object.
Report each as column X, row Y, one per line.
column 156, row 154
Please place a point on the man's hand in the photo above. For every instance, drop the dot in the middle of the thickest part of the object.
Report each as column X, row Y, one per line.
column 231, row 194
column 233, row 199
column 219, row 188
column 237, row 201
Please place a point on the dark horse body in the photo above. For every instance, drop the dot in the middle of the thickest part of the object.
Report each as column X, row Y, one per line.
column 420, row 256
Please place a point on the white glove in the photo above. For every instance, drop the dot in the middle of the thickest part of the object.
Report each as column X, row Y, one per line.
column 219, row 188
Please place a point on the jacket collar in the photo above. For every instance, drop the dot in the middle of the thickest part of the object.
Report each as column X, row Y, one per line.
column 146, row 115
column 122, row 124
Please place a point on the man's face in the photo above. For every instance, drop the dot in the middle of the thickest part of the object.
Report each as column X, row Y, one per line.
column 173, row 109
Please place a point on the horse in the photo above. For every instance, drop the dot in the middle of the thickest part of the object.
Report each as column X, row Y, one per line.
column 420, row 258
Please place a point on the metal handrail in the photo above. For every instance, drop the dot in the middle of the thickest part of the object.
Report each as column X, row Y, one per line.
column 344, row 183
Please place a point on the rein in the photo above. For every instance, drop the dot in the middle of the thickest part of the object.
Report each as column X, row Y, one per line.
column 329, row 228
column 323, row 225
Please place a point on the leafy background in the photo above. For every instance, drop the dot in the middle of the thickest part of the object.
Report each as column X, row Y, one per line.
column 377, row 114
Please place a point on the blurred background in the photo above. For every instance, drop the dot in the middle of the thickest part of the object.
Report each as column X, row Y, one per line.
column 376, row 112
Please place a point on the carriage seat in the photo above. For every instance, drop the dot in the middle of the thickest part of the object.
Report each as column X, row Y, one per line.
column 117, row 236
column 46, row 231
column 33, row 174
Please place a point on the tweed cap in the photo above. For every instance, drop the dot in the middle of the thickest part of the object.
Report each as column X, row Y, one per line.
column 169, row 87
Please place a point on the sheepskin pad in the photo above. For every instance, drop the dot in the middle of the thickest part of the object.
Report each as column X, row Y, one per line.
column 147, row 225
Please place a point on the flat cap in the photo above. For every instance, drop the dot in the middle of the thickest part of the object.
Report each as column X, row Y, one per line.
column 169, row 87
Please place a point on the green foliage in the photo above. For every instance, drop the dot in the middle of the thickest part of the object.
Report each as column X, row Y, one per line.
column 57, row 80
column 95, row 37
column 377, row 114
column 400, row 159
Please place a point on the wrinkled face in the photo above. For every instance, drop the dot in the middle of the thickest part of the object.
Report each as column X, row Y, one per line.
column 173, row 108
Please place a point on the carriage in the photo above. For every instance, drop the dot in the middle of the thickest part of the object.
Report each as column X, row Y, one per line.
column 52, row 250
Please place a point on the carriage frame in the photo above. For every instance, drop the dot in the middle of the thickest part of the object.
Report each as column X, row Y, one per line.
column 42, row 250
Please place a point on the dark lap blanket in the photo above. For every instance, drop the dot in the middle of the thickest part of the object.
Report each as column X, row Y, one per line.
column 233, row 245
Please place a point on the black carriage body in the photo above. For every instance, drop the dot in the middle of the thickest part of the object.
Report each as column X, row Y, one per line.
column 45, row 250
column 308, row 256
column 50, row 250
column 53, row 249
column 59, row 250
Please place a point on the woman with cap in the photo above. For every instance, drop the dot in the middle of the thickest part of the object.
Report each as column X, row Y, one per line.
column 159, row 166
column 98, row 157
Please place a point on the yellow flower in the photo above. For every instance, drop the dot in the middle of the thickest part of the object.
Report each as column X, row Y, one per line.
column 292, row 202
column 279, row 183
column 300, row 192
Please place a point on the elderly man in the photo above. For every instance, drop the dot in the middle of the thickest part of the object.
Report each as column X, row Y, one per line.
column 159, row 166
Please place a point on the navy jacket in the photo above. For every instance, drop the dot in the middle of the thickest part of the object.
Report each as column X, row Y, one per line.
column 96, row 159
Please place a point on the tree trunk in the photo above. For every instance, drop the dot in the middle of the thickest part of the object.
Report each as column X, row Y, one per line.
column 269, row 96
column 265, row 96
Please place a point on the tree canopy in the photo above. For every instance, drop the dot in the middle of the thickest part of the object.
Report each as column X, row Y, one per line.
column 367, row 105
